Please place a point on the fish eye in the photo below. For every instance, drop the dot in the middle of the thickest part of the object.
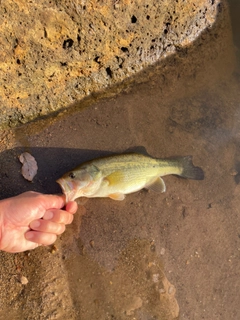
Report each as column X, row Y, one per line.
column 72, row 175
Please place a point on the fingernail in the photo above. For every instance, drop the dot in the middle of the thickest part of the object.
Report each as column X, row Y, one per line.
column 28, row 235
column 48, row 215
column 35, row 224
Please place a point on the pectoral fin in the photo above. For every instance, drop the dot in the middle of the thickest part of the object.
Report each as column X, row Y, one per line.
column 157, row 185
column 117, row 196
column 115, row 178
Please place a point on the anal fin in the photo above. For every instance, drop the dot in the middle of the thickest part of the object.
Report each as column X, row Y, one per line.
column 82, row 201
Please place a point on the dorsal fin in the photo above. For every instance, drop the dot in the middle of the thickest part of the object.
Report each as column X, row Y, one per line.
column 138, row 149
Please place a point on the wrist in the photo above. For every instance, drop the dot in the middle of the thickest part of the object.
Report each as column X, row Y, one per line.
column 1, row 222
column 3, row 209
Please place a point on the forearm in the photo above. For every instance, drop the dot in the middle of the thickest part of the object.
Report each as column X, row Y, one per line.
column 2, row 212
column 0, row 225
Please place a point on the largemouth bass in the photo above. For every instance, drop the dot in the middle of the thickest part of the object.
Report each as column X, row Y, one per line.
column 115, row 176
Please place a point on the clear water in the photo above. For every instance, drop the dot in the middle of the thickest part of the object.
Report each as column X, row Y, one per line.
column 125, row 260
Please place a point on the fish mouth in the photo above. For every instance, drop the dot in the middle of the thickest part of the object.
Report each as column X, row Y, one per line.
column 67, row 189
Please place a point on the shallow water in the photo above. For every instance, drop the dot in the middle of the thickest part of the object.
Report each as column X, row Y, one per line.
column 125, row 260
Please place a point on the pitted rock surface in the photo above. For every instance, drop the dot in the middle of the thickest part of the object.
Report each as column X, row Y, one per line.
column 56, row 53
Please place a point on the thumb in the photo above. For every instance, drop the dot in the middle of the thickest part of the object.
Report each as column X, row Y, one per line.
column 52, row 201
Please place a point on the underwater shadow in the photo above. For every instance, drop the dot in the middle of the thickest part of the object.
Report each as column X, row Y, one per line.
column 52, row 164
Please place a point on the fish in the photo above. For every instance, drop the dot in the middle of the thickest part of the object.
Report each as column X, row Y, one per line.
column 117, row 175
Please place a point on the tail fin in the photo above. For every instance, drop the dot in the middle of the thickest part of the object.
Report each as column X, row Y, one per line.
column 189, row 170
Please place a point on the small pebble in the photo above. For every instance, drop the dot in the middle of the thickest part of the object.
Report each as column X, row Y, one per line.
column 233, row 172
column 162, row 252
column 162, row 291
column 23, row 280
column 171, row 289
column 53, row 249
column 155, row 277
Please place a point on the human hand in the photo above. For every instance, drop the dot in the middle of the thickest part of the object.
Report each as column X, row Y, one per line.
column 32, row 219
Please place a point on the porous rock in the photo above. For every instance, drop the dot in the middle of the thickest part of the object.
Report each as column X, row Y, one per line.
column 54, row 53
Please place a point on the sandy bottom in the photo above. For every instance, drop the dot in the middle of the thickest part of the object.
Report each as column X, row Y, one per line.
column 151, row 256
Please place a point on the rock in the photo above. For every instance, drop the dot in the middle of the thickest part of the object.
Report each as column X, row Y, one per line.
column 23, row 280
column 56, row 53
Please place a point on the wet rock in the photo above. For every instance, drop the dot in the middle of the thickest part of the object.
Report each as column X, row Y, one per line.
column 55, row 53
column 23, row 280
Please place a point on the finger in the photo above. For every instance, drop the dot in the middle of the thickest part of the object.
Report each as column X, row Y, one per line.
column 54, row 201
column 47, row 226
column 72, row 207
column 58, row 216
column 47, row 200
column 41, row 237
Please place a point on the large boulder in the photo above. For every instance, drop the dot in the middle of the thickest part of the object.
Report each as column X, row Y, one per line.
column 54, row 53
